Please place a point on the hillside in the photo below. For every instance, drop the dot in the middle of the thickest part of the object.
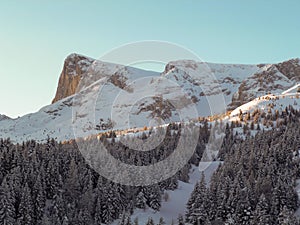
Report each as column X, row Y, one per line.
column 97, row 97
column 184, row 84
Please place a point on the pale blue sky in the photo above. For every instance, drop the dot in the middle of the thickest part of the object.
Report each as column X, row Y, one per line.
column 36, row 36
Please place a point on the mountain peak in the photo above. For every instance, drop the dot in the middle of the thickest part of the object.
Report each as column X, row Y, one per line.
column 288, row 72
column 4, row 117
column 76, row 57
column 75, row 66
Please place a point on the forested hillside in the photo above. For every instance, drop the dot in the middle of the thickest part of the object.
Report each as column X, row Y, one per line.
column 255, row 184
column 51, row 183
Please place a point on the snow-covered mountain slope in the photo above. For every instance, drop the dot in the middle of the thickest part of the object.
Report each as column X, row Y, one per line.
column 293, row 89
column 4, row 117
column 175, row 203
column 132, row 97
column 267, row 80
column 268, row 104
column 290, row 68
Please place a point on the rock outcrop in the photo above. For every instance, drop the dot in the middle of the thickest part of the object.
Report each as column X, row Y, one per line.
column 75, row 66
column 290, row 68
column 239, row 83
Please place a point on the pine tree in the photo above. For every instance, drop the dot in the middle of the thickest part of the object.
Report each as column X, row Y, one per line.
column 72, row 182
column 286, row 217
column 109, row 207
column 120, row 198
column 161, row 221
column 150, row 221
column 39, row 198
column 122, row 219
column 198, row 212
column 180, row 220
column 7, row 208
column 154, row 199
column 136, row 221
column 57, row 209
column 191, row 201
column 262, row 216
column 84, row 217
column 98, row 210
column 140, row 201
column 26, row 208
column 46, row 220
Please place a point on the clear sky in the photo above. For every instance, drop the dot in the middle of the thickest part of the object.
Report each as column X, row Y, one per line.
column 37, row 35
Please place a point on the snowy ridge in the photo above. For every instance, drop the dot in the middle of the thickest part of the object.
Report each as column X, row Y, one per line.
column 264, row 87
column 272, row 102
column 4, row 117
column 294, row 88
column 239, row 84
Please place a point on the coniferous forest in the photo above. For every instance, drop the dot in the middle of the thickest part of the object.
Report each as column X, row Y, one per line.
column 51, row 183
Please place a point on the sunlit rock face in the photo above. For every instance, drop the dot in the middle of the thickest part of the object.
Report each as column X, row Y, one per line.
column 75, row 66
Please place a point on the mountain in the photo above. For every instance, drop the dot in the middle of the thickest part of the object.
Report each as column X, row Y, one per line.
column 240, row 83
column 269, row 103
column 290, row 68
column 4, row 117
column 105, row 86
column 97, row 96
column 75, row 66
column 266, row 80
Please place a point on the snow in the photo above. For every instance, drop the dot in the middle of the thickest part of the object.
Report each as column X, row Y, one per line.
column 294, row 88
column 131, row 108
column 4, row 117
column 177, row 199
column 297, row 213
column 227, row 77
column 83, row 62
column 279, row 102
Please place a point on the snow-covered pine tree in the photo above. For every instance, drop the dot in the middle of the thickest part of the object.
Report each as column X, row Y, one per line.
column 155, row 197
column 150, row 221
column 7, row 204
column 140, row 201
column 262, row 216
column 161, row 221
column 287, row 217
column 26, row 208
column 198, row 211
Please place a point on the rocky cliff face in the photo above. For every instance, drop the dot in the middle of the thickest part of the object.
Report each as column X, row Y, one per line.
column 75, row 66
column 270, row 78
column 267, row 80
column 239, row 83
column 290, row 68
